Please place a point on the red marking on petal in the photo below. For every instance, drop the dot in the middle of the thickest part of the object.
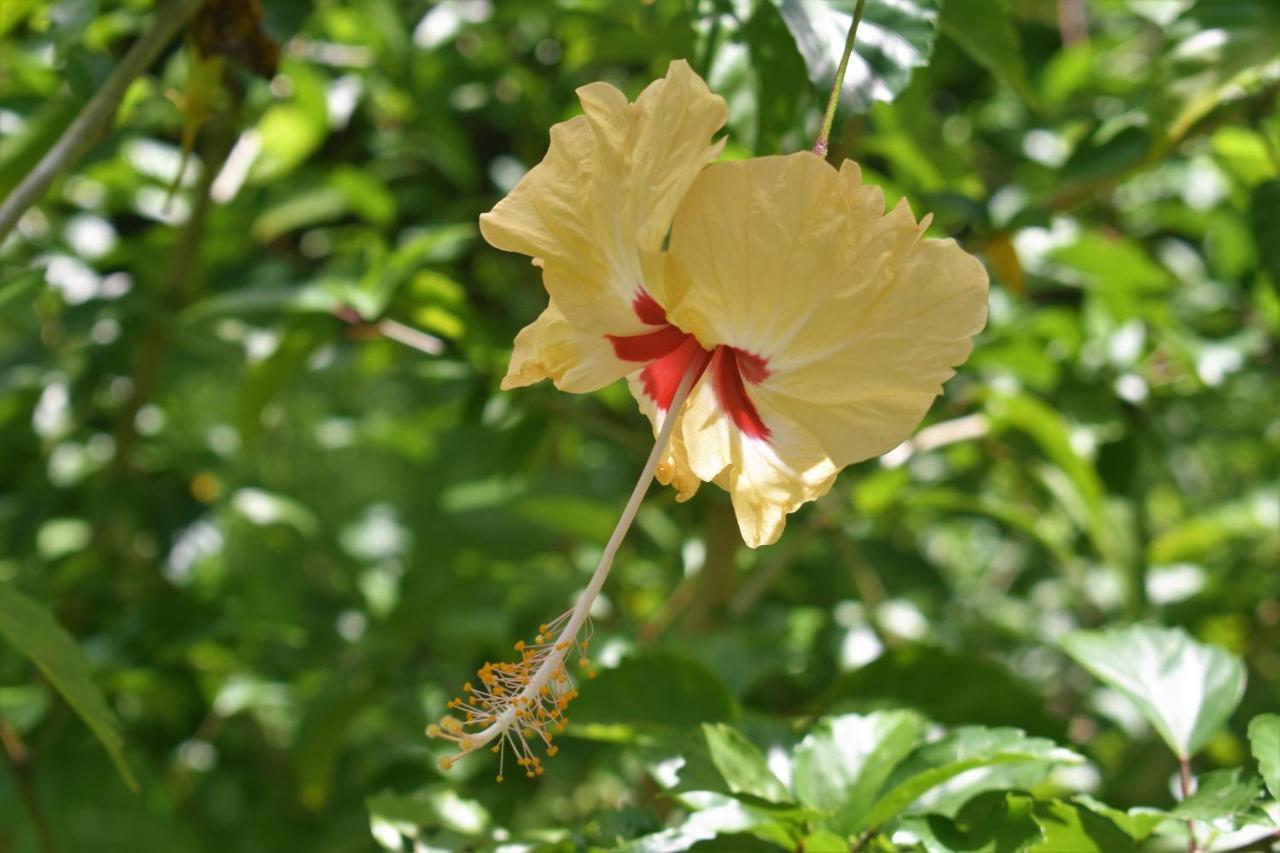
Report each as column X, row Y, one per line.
column 754, row 368
column 661, row 378
column 648, row 309
column 668, row 354
column 647, row 347
column 726, row 374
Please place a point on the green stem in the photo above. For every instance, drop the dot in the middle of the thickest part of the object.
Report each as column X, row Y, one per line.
column 820, row 147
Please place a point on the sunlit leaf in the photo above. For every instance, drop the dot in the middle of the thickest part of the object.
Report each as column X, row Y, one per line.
column 963, row 749
column 1264, row 738
column 1184, row 688
column 843, row 761
column 742, row 765
column 894, row 37
column 1067, row 826
column 994, row 822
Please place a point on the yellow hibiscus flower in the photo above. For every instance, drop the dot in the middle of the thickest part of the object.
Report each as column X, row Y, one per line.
column 817, row 328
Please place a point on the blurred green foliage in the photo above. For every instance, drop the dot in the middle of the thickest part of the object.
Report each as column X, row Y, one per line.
column 254, row 462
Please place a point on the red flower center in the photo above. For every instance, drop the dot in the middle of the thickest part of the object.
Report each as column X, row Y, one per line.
column 668, row 353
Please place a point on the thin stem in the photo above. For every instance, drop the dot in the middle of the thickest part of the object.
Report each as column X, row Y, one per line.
column 820, row 147
column 20, row 759
column 82, row 133
column 583, row 606
column 1184, row 778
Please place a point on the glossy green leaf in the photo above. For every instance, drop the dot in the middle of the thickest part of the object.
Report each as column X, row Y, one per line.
column 895, row 36
column 994, row 822
column 963, row 749
column 843, row 761
column 33, row 631
column 1067, row 826
column 1138, row 823
column 1264, row 740
column 1184, row 688
column 742, row 765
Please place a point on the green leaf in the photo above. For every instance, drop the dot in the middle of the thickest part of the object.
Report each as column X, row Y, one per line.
column 986, row 32
column 717, row 822
column 843, row 761
column 654, row 692
column 741, row 764
column 1219, row 794
column 34, row 632
column 1264, row 222
column 1138, row 823
column 1264, row 738
column 1066, row 826
column 894, row 37
column 963, row 749
column 1184, row 688
column 993, row 822
column 1225, row 48
column 758, row 71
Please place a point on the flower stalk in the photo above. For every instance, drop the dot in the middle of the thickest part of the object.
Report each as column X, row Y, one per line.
column 820, row 147
column 522, row 703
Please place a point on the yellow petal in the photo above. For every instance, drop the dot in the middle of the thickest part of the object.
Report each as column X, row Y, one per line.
column 766, row 479
column 858, row 321
column 593, row 214
column 549, row 348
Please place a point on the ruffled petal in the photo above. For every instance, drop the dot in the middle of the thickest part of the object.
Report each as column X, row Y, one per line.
column 594, row 213
column 844, row 322
column 766, row 478
column 550, row 348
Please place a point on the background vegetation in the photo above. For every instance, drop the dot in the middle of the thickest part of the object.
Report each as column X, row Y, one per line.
column 263, row 508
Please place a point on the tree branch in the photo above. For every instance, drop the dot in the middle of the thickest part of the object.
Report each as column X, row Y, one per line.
column 82, row 133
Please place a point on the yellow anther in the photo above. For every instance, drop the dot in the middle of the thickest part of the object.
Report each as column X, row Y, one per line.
column 445, row 762
column 433, row 730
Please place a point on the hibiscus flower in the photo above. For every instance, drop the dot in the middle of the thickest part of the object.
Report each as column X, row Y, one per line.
column 818, row 328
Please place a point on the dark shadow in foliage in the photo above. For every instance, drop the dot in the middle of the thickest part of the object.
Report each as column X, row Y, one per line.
column 947, row 686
